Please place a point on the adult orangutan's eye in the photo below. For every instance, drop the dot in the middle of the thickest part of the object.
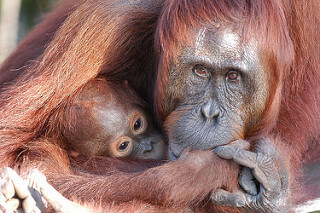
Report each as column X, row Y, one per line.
column 233, row 76
column 200, row 71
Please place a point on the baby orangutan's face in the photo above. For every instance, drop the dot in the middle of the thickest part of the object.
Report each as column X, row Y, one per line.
column 110, row 124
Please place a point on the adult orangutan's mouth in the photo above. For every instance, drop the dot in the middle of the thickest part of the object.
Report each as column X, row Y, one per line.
column 240, row 143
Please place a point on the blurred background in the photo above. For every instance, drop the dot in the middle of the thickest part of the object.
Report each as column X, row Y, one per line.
column 17, row 17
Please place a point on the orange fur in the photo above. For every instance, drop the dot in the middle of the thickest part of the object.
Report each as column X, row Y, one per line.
column 116, row 41
column 287, row 33
column 99, row 38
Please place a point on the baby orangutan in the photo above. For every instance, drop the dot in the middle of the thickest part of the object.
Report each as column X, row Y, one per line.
column 105, row 119
column 110, row 119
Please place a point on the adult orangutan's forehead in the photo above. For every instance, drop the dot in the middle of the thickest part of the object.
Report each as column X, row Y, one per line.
column 223, row 47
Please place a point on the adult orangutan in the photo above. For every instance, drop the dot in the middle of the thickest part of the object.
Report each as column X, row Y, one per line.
column 227, row 70
column 243, row 69
column 32, row 105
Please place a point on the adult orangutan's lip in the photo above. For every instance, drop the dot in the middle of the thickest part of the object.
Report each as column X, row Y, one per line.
column 240, row 143
column 225, row 144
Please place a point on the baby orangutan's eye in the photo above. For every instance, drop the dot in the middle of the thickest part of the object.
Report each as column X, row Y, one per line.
column 138, row 124
column 123, row 146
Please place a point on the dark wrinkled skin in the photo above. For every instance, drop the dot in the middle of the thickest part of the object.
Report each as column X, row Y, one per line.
column 215, row 109
column 212, row 110
column 265, row 166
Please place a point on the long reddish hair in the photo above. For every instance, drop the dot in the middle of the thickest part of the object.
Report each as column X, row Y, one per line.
column 288, row 51
column 96, row 39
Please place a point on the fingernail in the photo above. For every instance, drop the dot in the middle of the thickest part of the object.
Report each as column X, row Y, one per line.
column 240, row 203
column 225, row 152
column 253, row 192
column 218, row 149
